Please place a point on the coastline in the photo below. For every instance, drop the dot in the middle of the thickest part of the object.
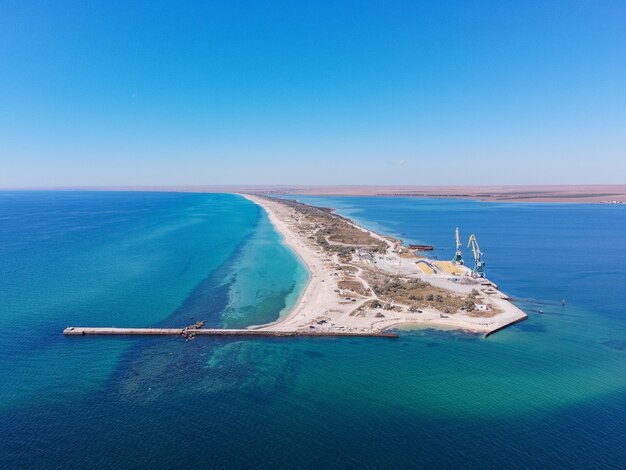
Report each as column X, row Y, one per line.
column 320, row 308
column 313, row 291
column 570, row 194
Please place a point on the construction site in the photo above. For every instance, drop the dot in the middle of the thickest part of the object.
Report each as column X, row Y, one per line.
column 456, row 266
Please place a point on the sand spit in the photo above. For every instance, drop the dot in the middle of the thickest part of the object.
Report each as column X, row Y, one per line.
column 326, row 304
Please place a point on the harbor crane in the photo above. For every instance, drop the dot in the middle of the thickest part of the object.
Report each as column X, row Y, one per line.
column 479, row 264
column 458, row 258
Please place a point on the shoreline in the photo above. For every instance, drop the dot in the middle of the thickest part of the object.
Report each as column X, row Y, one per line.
column 312, row 296
column 565, row 194
column 289, row 241
column 320, row 308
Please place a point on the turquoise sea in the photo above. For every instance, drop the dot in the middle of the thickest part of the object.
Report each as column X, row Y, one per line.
column 549, row 392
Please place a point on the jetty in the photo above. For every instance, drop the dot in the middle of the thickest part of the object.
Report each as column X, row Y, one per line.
column 186, row 332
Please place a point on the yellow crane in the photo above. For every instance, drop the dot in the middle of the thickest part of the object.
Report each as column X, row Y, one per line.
column 479, row 264
column 458, row 258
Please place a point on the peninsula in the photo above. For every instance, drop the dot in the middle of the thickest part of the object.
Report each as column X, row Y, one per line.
column 361, row 281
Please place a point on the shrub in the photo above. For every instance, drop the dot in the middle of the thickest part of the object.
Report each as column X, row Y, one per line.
column 469, row 305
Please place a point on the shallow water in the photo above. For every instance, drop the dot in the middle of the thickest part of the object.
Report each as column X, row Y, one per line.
column 549, row 392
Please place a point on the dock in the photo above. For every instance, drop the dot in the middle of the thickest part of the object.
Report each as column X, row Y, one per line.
column 96, row 331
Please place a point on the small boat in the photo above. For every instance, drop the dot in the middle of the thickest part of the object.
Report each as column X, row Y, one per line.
column 539, row 311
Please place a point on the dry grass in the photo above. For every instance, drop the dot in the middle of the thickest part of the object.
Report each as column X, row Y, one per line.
column 353, row 286
column 493, row 311
column 331, row 231
column 413, row 292
column 336, row 234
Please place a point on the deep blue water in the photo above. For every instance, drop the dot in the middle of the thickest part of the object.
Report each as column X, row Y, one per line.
column 548, row 392
column 547, row 251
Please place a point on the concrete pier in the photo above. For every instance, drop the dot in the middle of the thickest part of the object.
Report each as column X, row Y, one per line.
column 87, row 331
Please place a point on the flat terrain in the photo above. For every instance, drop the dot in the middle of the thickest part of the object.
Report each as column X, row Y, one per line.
column 361, row 281
column 589, row 194
column 556, row 193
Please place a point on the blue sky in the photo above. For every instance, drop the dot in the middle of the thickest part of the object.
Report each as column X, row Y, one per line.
column 326, row 92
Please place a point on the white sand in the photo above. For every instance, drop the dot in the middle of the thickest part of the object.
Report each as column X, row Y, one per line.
column 321, row 303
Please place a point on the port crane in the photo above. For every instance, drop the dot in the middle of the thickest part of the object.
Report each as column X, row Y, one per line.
column 479, row 264
column 458, row 258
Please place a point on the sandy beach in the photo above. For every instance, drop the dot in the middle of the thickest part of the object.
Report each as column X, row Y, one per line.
column 324, row 306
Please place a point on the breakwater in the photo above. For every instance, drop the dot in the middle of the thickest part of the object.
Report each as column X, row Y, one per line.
column 96, row 331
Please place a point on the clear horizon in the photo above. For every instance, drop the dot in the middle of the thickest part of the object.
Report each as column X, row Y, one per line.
column 331, row 93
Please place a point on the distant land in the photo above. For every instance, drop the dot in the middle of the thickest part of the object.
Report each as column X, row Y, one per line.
column 540, row 193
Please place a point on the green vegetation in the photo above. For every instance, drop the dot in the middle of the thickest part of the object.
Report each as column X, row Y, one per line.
column 336, row 234
column 415, row 293
column 469, row 305
column 333, row 232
